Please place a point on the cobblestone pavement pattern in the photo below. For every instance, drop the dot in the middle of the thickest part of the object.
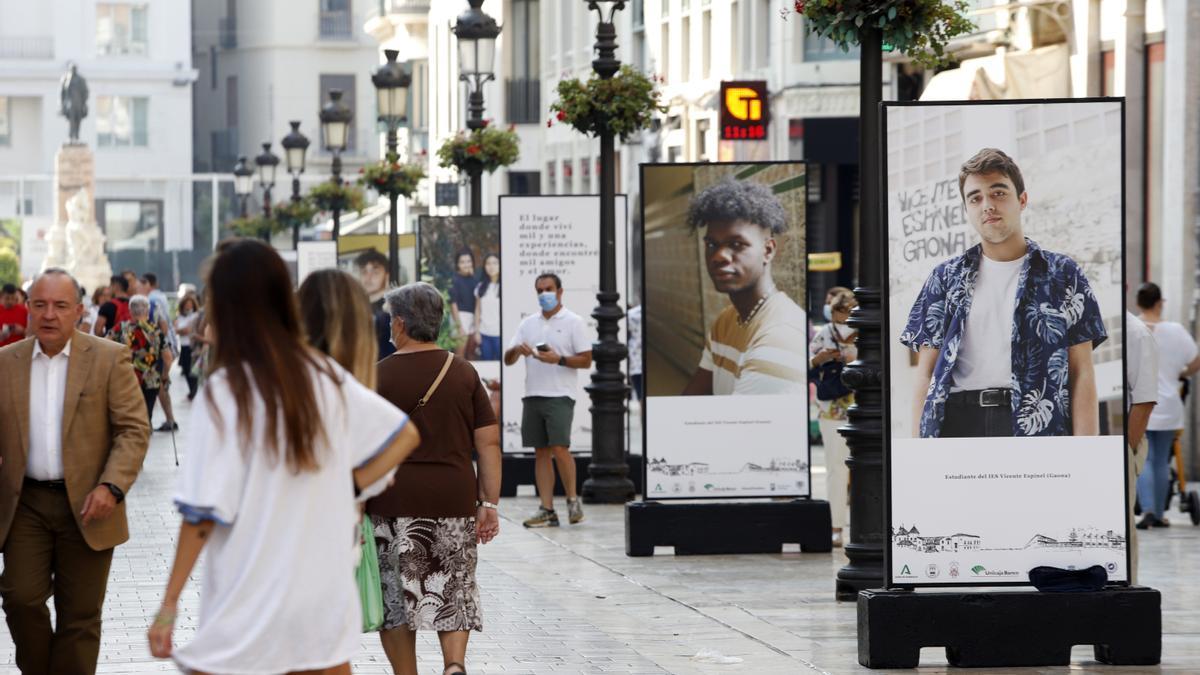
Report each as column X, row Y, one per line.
column 568, row 600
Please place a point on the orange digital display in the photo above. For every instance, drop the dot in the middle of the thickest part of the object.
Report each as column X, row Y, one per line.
column 744, row 110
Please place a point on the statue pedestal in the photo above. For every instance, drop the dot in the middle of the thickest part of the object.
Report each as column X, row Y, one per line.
column 74, row 170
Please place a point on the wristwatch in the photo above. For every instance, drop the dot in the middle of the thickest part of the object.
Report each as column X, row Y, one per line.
column 486, row 505
column 116, row 492
column 562, row 360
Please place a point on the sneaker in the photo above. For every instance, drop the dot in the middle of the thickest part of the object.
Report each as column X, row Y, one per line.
column 574, row 511
column 168, row 426
column 1148, row 520
column 543, row 518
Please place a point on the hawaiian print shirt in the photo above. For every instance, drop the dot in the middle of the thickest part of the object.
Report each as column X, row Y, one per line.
column 145, row 341
column 1056, row 309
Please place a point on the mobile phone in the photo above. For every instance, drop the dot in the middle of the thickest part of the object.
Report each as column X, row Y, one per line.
column 542, row 347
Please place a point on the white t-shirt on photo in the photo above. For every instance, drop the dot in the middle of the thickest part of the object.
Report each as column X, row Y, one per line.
column 985, row 356
column 1176, row 349
column 566, row 333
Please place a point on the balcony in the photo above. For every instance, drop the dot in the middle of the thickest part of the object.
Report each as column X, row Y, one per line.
column 403, row 7
column 26, row 47
column 524, row 101
column 227, row 32
column 336, row 26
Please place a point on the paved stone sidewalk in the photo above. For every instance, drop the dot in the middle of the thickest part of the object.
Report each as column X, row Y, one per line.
column 568, row 600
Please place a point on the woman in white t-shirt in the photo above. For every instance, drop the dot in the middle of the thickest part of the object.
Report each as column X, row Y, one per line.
column 1178, row 357
column 280, row 444
column 835, row 341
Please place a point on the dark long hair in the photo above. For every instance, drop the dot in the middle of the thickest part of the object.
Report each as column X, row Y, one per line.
column 486, row 282
column 260, row 345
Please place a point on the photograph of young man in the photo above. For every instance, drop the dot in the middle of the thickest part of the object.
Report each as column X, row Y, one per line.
column 758, row 344
column 1004, row 332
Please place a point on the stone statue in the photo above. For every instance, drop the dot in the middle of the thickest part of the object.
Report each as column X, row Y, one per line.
column 73, row 98
column 85, row 243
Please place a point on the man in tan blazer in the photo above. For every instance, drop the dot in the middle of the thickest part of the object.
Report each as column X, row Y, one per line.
column 73, row 441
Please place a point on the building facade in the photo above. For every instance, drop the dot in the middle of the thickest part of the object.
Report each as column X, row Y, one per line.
column 136, row 58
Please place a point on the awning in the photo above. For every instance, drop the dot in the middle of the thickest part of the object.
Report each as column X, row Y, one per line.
column 1044, row 72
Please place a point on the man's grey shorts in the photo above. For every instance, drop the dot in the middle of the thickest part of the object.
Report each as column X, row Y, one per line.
column 546, row 421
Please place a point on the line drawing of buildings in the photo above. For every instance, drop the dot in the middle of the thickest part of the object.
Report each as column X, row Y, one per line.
column 953, row 543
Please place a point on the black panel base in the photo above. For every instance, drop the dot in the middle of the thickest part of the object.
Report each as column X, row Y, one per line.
column 1009, row 629
column 727, row 527
column 517, row 469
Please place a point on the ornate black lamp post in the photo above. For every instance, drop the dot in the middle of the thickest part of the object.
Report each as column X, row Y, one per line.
column 865, row 429
column 267, row 162
column 243, row 183
column 391, row 88
column 608, row 474
column 476, row 33
column 294, row 146
column 335, row 128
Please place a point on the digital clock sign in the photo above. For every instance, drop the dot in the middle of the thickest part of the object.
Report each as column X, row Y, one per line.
column 744, row 111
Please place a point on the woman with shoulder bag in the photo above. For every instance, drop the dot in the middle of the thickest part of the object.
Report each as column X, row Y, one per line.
column 830, row 350
column 427, row 525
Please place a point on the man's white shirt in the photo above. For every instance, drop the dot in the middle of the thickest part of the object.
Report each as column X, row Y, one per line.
column 566, row 333
column 47, row 387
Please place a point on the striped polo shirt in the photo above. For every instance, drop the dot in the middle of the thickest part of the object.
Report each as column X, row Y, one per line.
column 769, row 355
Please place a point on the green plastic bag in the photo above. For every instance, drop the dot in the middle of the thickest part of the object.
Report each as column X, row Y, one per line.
column 370, row 588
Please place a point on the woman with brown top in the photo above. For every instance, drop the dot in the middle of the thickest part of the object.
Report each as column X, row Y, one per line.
column 428, row 523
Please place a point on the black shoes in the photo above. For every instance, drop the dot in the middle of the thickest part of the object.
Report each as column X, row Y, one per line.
column 1150, row 520
column 168, row 426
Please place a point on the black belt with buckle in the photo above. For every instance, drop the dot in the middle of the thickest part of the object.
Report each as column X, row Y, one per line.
column 48, row 484
column 982, row 398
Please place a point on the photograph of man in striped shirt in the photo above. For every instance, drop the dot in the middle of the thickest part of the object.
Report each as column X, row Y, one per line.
column 758, row 344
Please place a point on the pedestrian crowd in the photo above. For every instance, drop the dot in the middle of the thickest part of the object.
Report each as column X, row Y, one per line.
column 299, row 437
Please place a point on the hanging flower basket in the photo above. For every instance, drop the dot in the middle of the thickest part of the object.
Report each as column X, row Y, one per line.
column 391, row 178
column 484, row 150
column 625, row 103
column 252, row 226
column 289, row 214
column 920, row 29
column 327, row 196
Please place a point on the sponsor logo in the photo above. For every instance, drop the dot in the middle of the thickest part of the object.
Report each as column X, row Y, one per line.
column 1111, row 567
column 981, row 571
column 658, row 487
column 932, row 571
column 905, row 572
column 953, row 570
column 708, row 486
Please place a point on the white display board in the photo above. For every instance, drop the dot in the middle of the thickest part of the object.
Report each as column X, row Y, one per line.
column 990, row 510
column 559, row 235
column 1005, row 228
column 314, row 255
column 734, row 424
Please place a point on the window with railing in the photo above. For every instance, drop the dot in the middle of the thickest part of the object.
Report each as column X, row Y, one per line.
column 122, row 121
column 524, row 89
column 121, row 29
column 335, row 19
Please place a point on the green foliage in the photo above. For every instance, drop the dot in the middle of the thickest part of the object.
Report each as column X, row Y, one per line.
column 625, row 103
column 485, row 149
column 251, row 226
column 389, row 177
column 288, row 214
column 326, row 196
column 920, row 29
column 10, row 266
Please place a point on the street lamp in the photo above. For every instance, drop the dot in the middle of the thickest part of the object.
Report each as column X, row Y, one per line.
column 295, row 144
column 335, row 130
column 476, row 33
column 243, row 182
column 391, row 87
column 608, row 474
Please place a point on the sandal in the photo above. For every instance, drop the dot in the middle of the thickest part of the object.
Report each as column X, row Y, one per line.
column 462, row 670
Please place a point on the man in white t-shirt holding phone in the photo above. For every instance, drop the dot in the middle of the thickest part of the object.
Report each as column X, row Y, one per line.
column 556, row 346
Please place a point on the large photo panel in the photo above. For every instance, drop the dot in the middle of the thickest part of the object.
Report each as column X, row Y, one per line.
column 553, row 234
column 725, row 335
column 1005, row 340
